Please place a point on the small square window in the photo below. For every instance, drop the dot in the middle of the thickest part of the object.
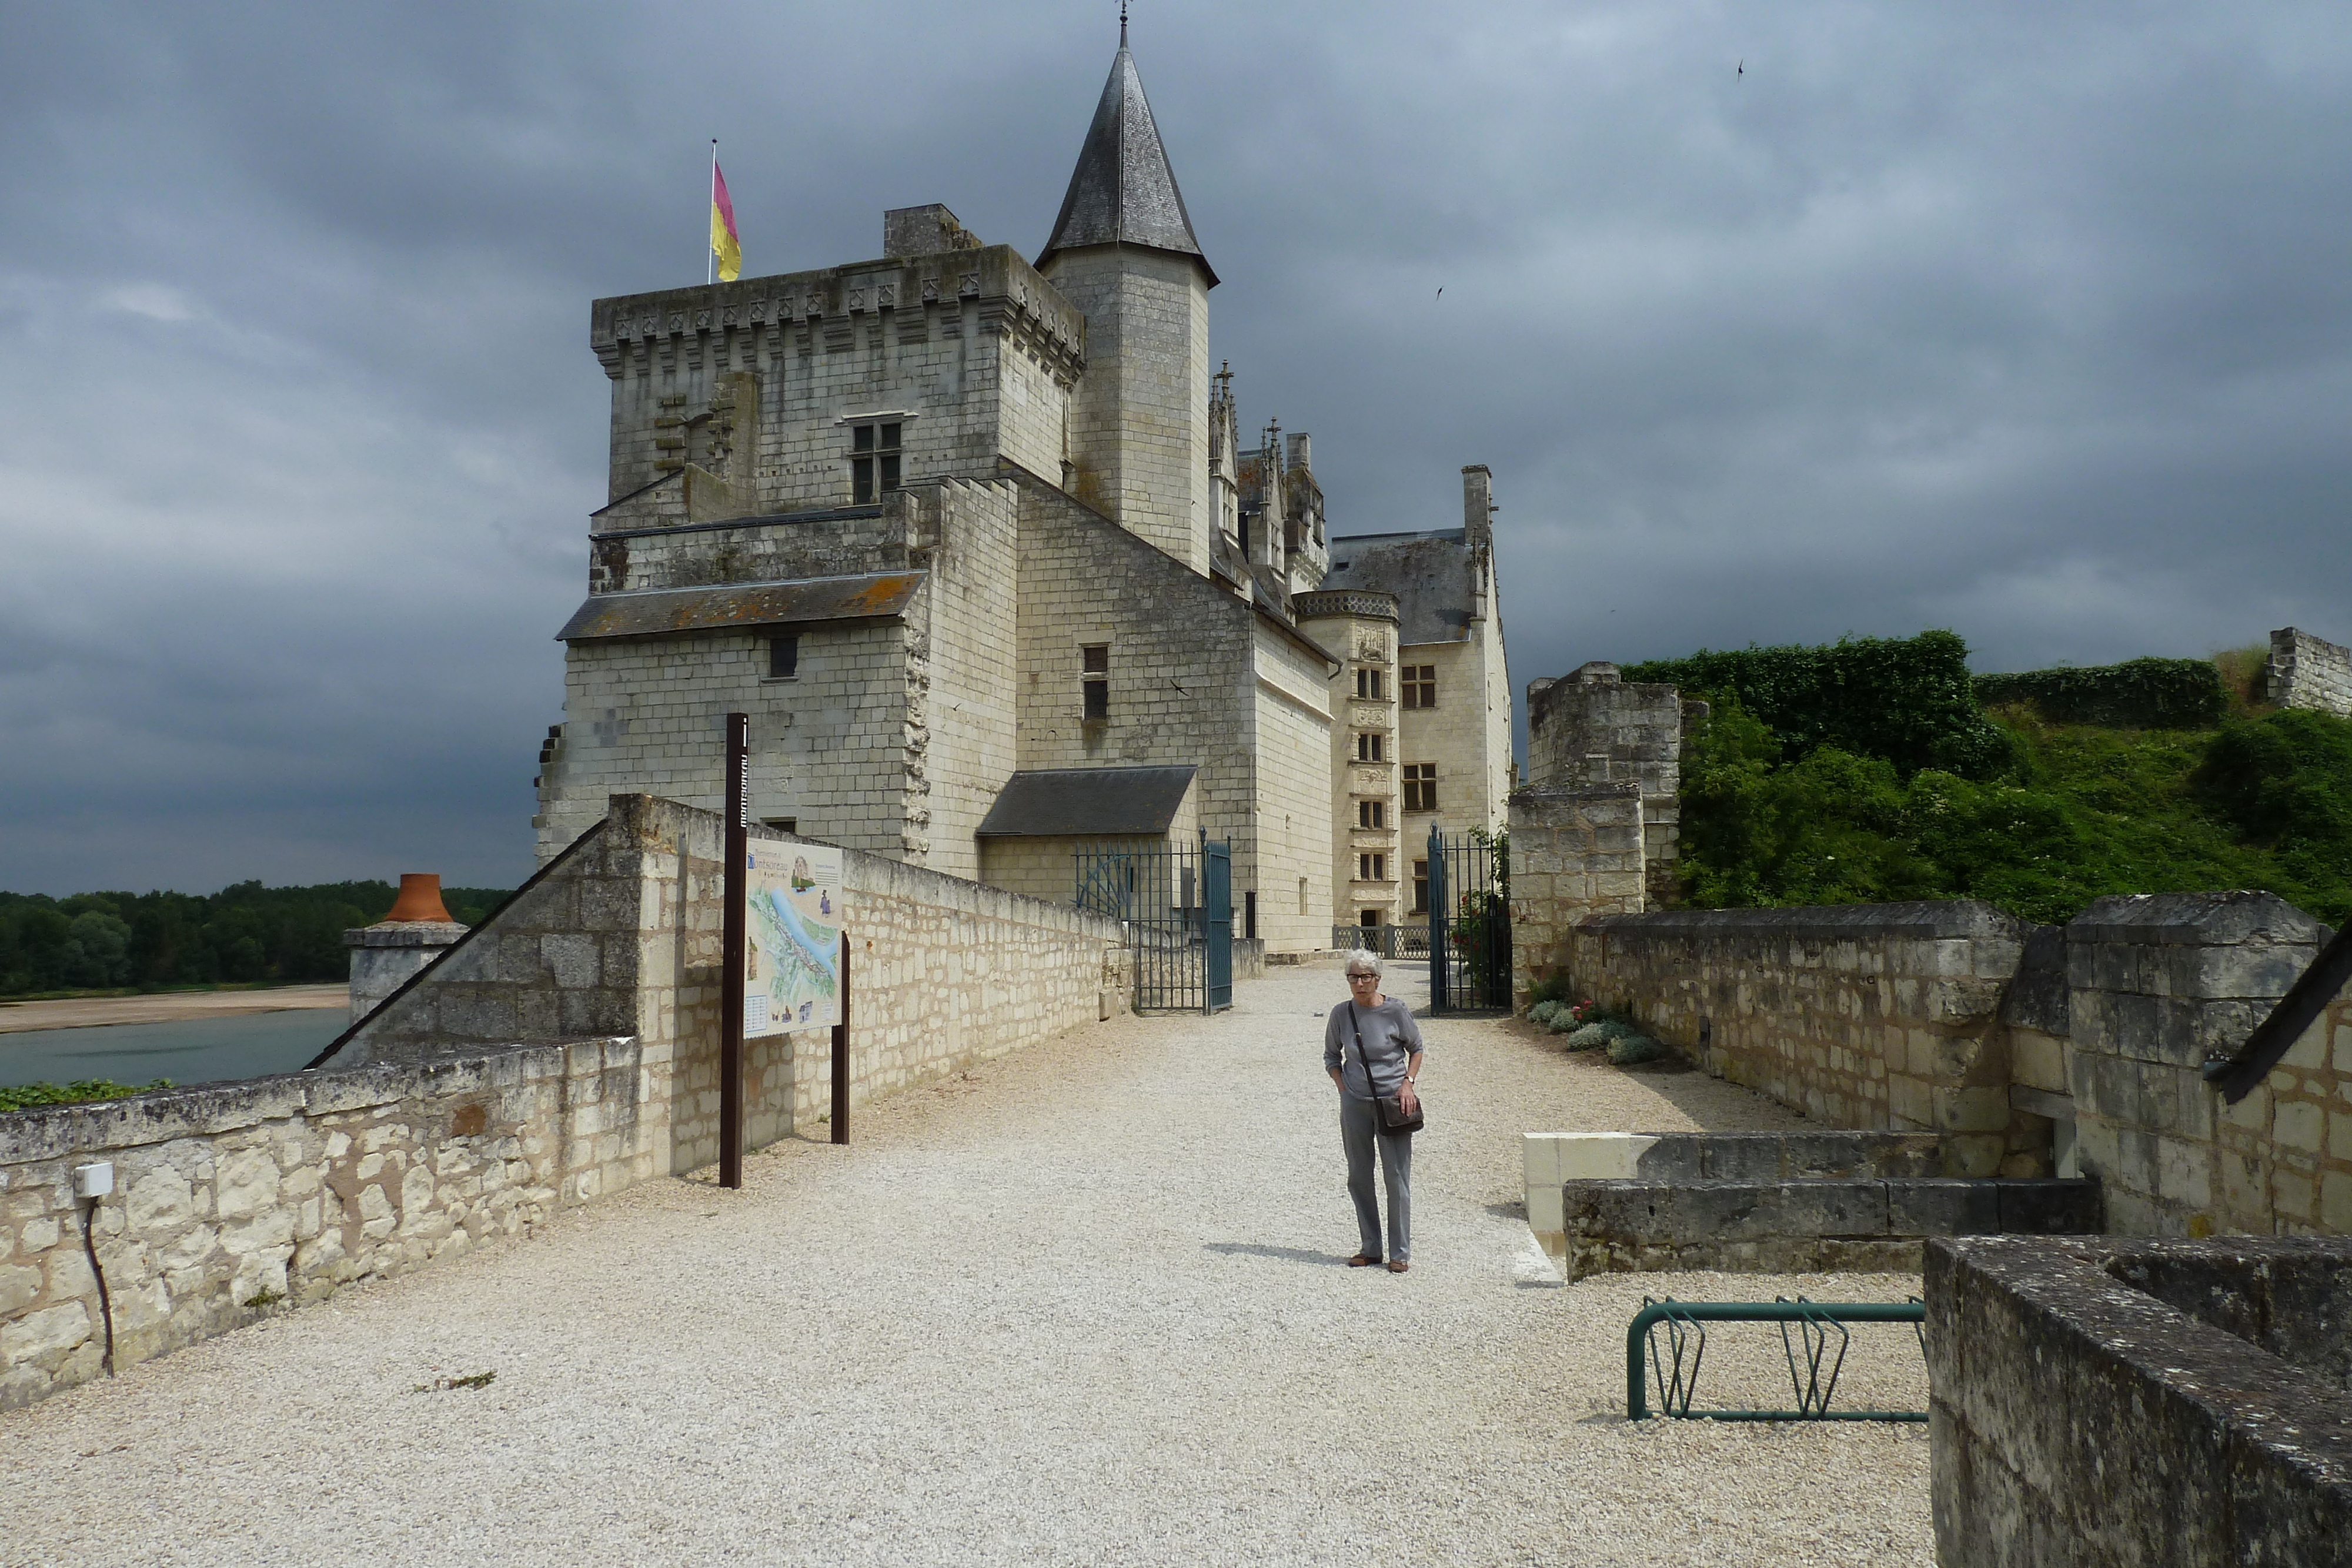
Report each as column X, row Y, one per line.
column 783, row 658
column 1417, row 686
column 1371, row 814
column 781, row 824
column 1369, row 919
column 1368, row 685
column 1369, row 747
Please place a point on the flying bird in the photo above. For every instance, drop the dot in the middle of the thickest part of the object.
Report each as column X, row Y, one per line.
column 1743, row 68
column 1441, row 292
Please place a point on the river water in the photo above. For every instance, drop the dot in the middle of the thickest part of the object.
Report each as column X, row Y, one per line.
column 192, row 1050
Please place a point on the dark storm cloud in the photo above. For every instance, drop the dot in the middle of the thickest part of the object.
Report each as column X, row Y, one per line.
column 2028, row 321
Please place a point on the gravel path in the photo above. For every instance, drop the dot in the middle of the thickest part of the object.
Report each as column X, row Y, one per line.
column 1083, row 1305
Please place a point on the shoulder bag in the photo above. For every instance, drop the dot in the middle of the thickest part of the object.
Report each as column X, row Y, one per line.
column 1393, row 1118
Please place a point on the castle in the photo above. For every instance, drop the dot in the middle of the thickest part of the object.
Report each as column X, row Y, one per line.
column 975, row 543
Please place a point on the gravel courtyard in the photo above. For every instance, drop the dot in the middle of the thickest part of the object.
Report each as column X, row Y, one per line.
column 1083, row 1305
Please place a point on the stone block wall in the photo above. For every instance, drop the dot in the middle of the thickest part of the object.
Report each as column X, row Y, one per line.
column 2308, row 671
column 2157, row 985
column 1872, row 1016
column 2154, row 1404
column 1177, row 641
column 231, row 1199
column 1575, row 852
column 892, row 734
column 972, row 350
column 621, row 935
column 1139, row 420
column 1590, row 728
column 568, row 1047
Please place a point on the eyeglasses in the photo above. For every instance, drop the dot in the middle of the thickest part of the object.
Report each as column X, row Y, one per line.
column 1361, row 979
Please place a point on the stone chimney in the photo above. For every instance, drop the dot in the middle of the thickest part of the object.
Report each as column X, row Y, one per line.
column 1478, row 507
column 922, row 231
column 1302, row 451
column 385, row 955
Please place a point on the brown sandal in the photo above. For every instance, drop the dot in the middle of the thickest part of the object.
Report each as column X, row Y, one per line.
column 1398, row 1265
column 1361, row 1261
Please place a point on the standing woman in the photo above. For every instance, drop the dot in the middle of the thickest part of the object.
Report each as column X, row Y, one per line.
column 1371, row 1031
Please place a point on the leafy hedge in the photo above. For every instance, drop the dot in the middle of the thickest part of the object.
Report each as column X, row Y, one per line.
column 2260, row 803
column 2140, row 693
column 1908, row 700
column 243, row 933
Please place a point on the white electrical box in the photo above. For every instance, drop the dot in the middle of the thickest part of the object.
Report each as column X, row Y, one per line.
column 94, row 1180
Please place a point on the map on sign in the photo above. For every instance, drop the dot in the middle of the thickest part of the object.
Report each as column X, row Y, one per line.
column 792, row 958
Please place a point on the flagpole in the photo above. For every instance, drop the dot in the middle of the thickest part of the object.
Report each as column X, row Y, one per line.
column 711, row 255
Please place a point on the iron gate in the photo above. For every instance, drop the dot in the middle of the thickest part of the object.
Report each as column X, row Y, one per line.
column 1177, row 902
column 1469, row 921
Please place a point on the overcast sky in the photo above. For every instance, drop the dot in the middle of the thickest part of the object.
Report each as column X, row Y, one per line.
column 2029, row 320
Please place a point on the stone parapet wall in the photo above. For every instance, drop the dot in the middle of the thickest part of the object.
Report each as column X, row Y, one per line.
column 2157, row 985
column 1872, row 1016
column 2309, row 672
column 2156, row 1404
column 232, row 1198
column 622, row 935
column 567, row 1047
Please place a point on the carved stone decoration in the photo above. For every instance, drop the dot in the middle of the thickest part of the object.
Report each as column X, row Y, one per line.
column 727, row 319
column 930, row 291
column 758, row 310
column 702, row 321
column 885, row 296
column 970, row 284
column 857, row 299
column 1371, row 648
column 677, row 322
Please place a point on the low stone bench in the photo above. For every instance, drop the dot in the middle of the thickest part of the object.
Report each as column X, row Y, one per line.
column 1772, row 1202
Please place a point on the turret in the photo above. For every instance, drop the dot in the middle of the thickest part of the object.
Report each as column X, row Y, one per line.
column 1123, row 252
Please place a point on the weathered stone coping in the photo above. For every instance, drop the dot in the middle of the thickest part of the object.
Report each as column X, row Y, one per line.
column 207, row 1110
column 2110, row 1401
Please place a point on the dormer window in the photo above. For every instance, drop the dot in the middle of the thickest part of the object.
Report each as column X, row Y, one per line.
column 873, row 461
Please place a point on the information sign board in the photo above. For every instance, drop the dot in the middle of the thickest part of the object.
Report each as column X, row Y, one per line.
column 792, row 959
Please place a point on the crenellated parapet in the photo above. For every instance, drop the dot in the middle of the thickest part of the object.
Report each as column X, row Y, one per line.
column 902, row 298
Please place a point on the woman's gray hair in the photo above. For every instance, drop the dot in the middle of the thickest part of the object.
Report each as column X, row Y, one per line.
column 1363, row 961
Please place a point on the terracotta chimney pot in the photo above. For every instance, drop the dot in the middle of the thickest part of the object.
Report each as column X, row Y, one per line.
column 420, row 898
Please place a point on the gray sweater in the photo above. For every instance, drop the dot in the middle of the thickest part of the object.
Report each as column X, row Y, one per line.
column 1391, row 1039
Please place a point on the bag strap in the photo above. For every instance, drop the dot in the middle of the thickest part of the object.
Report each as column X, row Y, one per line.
column 1356, row 1024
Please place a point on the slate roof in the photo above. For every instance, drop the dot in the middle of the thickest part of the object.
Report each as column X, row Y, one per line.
column 1430, row 574
column 1092, row 801
column 1123, row 191
column 667, row 611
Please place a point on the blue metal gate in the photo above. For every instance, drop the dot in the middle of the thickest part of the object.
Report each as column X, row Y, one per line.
column 1177, row 903
column 1469, row 922
column 1217, row 907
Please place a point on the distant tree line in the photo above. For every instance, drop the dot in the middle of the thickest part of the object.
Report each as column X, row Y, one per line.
column 152, row 941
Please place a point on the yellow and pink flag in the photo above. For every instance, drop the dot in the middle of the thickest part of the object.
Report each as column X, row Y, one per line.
column 726, row 249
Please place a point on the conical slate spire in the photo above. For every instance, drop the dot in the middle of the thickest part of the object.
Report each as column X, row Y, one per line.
column 1123, row 191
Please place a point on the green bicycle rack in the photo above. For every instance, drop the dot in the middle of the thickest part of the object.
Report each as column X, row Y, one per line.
column 1806, row 1334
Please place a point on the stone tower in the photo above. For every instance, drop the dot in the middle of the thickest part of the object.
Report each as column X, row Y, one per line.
column 1123, row 252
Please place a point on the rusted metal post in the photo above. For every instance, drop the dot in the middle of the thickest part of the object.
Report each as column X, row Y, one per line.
column 733, row 884
column 841, row 1052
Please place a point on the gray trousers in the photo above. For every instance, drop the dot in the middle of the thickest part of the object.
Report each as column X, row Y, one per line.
column 1360, row 1129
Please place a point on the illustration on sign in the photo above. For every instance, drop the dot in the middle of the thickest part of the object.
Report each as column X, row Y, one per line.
column 792, row 959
